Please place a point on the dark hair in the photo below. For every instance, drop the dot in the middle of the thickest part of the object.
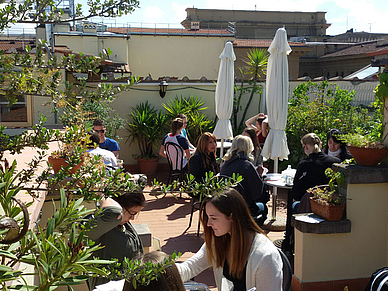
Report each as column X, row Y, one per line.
column 99, row 122
column 232, row 204
column 260, row 119
column 130, row 199
column 176, row 125
column 93, row 139
column 335, row 135
column 169, row 280
column 252, row 134
column 181, row 115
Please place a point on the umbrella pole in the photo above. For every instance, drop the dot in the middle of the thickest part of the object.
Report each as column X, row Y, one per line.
column 275, row 190
column 222, row 148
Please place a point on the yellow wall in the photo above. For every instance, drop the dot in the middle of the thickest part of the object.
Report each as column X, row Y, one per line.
column 159, row 56
column 324, row 257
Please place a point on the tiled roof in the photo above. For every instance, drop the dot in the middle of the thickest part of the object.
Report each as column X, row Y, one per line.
column 358, row 49
column 263, row 43
column 9, row 45
column 169, row 31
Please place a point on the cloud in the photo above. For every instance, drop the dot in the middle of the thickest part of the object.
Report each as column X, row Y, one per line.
column 152, row 14
column 273, row 5
column 179, row 11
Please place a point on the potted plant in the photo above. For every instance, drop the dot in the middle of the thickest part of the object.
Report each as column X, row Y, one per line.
column 327, row 201
column 71, row 150
column 367, row 150
column 147, row 127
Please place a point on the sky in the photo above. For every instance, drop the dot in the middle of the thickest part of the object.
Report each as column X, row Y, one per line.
column 361, row 15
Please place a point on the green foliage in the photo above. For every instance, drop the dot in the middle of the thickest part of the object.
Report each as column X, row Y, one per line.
column 210, row 186
column 60, row 252
column 147, row 127
column 381, row 93
column 31, row 11
column 331, row 194
column 330, row 108
column 192, row 107
column 142, row 273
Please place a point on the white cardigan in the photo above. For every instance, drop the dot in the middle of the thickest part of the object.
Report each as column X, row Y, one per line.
column 264, row 268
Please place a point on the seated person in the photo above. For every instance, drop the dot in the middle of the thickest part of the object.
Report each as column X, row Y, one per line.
column 108, row 157
column 259, row 123
column 204, row 159
column 309, row 173
column 335, row 147
column 105, row 142
column 257, row 157
column 238, row 160
column 166, row 281
column 242, row 256
column 184, row 132
column 175, row 137
column 311, row 170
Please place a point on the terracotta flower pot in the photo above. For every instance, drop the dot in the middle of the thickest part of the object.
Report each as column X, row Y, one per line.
column 148, row 166
column 57, row 163
column 328, row 212
column 367, row 157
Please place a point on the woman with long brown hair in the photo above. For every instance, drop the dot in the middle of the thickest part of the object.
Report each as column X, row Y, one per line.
column 240, row 253
column 204, row 159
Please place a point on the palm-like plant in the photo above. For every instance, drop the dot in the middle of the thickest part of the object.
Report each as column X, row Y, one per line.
column 256, row 63
column 256, row 67
column 147, row 128
column 191, row 107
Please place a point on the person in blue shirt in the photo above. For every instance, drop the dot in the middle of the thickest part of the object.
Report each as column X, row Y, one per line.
column 184, row 132
column 106, row 143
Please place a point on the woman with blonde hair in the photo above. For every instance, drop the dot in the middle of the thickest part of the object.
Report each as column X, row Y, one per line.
column 238, row 160
column 241, row 255
column 204, row 159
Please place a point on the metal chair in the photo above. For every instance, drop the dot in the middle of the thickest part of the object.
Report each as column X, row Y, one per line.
column 195, row 205
column 175, row 158
column 287, row 271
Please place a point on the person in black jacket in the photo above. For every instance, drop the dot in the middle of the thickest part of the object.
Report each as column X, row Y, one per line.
column 311, row 171
column 204, row 159
column 335, row 147
column 238, row 160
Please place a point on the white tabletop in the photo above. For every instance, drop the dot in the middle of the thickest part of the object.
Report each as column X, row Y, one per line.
column 280, row 183
column 227, row 144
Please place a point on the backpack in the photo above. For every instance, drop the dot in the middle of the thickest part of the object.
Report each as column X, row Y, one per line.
column 378, row 281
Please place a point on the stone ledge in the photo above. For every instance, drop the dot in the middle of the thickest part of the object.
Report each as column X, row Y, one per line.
column 355, row 174
column 324, row 227
column 144, row 233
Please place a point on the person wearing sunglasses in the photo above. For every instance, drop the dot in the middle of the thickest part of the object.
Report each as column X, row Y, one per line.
column 106, row 143
column 111, row 228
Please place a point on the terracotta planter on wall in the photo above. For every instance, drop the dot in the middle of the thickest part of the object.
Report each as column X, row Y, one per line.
column 148, row 166
column 367, row 157
column 57, row 163
column 328, row 212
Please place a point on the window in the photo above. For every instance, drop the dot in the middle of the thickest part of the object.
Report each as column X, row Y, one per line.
column 19, row 114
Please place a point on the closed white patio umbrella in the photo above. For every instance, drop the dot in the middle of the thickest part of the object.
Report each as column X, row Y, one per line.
column 277, row 86
column 224, row 95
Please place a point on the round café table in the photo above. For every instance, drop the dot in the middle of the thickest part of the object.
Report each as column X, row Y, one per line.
column 275, row 223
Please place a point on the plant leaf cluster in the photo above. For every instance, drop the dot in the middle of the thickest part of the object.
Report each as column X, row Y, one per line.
column 319, row 107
